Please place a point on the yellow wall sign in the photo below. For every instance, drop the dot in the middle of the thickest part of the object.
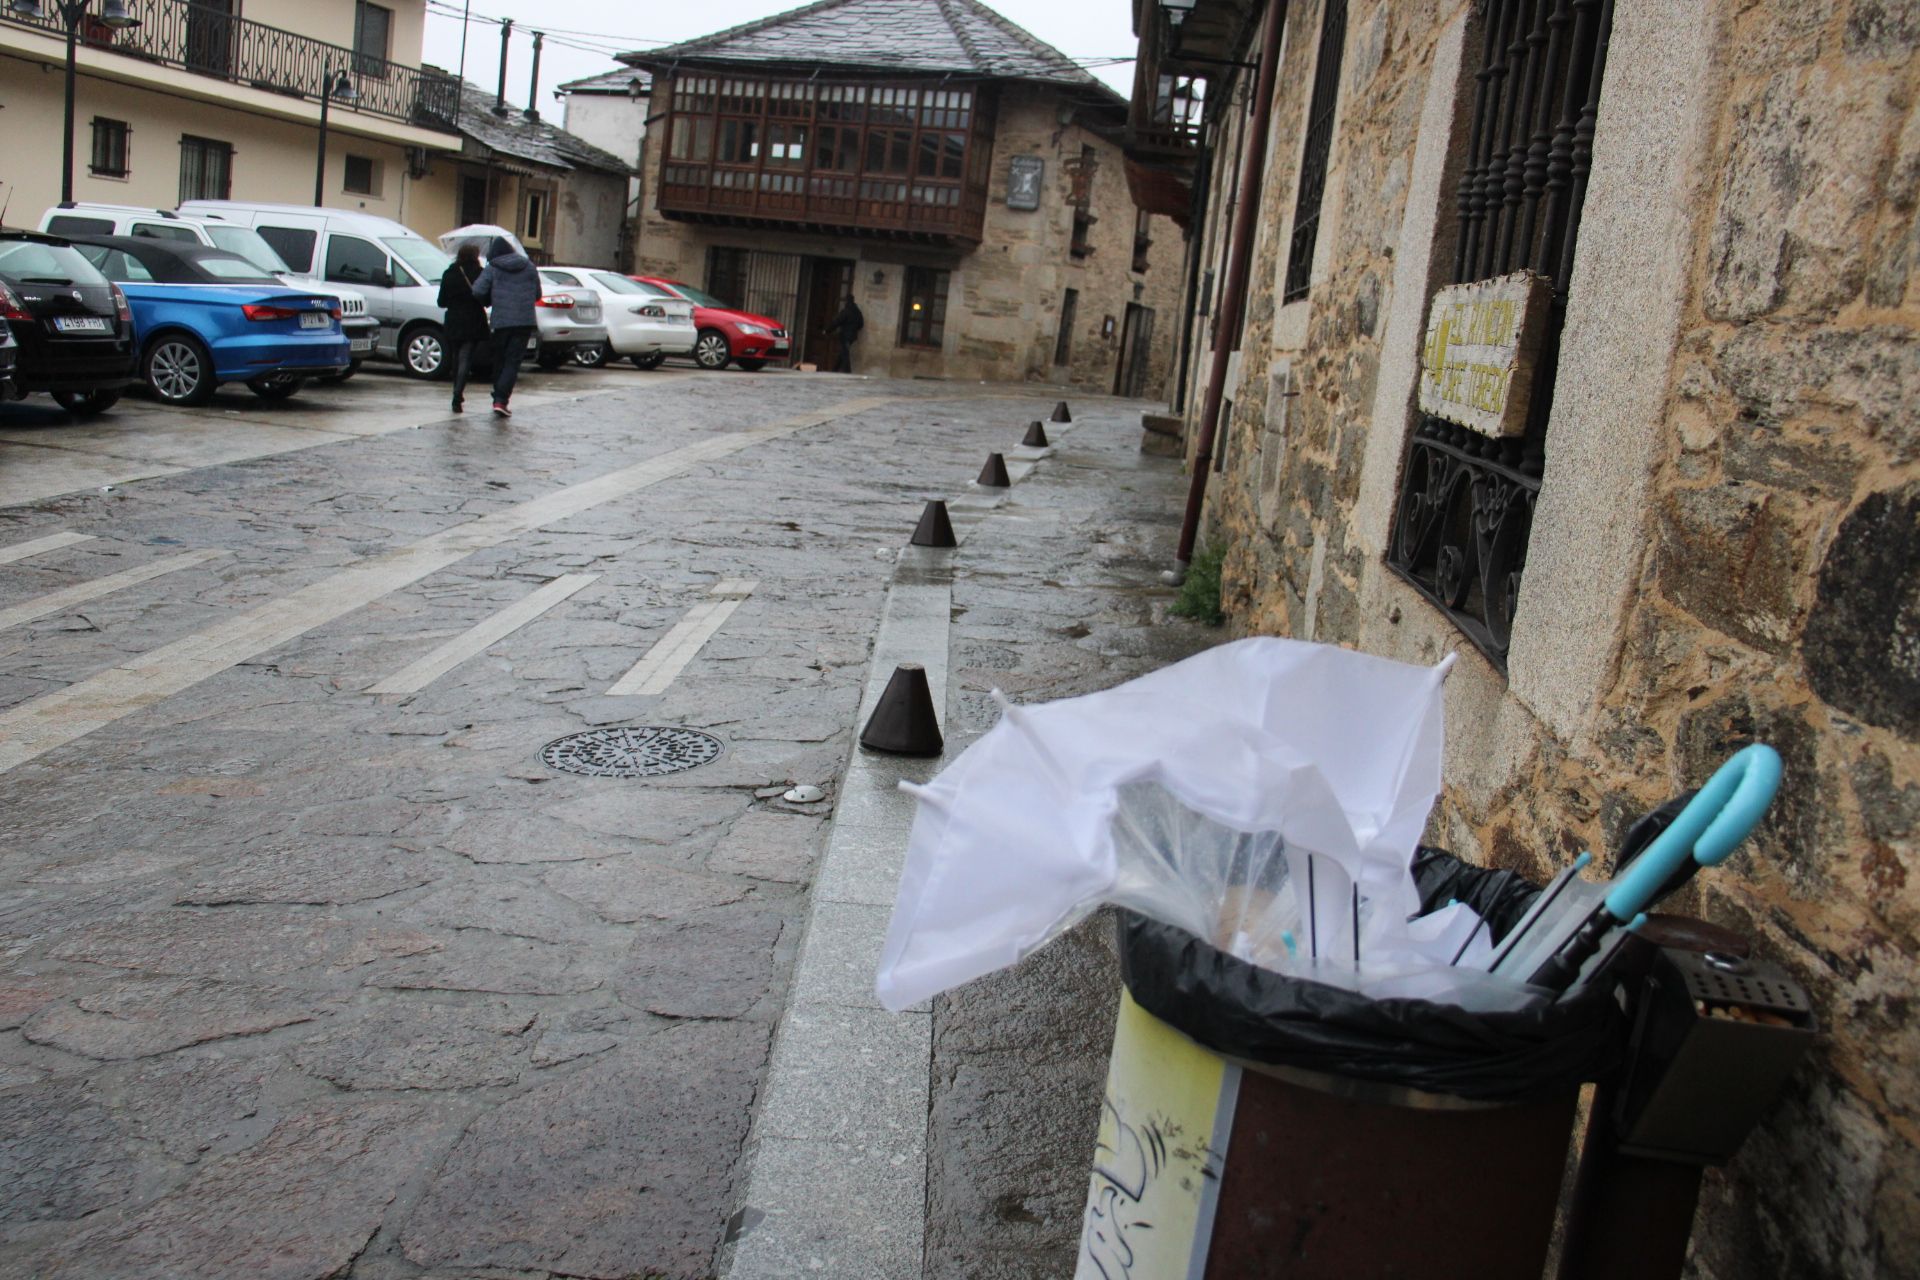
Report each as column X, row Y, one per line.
column 1159, row 1156
column 1483, row 340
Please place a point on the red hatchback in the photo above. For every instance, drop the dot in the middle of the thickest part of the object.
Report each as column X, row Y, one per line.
column 726, row 334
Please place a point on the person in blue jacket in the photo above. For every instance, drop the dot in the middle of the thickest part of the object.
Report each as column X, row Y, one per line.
column 511, row 286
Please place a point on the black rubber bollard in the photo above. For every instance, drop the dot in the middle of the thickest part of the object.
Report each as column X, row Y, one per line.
column 1060, row 413
column 934, row 529
column 904, row 723
column 1036, row 437
column 994, row 474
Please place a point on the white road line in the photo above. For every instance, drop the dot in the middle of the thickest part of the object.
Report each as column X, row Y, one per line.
column 67, row 597
column 52, row 542
column 671, row 654
column 34, row 728
column 418, row 675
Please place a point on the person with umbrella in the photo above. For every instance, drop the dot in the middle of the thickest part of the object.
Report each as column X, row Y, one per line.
column 466, row 322
column 512, row 286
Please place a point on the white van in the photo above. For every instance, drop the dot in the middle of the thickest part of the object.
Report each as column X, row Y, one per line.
column 92, row 218
column 396, row 268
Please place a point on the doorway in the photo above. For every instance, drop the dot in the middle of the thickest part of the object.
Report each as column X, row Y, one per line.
column 829, row 285
column 1136, row 352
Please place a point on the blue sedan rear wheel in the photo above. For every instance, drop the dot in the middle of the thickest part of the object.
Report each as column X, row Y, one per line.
column 179, row 369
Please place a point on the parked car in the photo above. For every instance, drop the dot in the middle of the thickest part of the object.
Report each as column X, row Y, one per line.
column 90, row 218
column 396, row 268
column 644, row 324
column 726, row 333
column 205, row 316
column 73, row 326
column 9, row 352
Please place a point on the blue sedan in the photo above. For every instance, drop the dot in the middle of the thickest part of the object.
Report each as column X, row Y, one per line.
column 203, row 316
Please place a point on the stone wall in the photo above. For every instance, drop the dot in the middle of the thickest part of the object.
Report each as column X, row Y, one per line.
column 1005, row 297
column 1727, row 542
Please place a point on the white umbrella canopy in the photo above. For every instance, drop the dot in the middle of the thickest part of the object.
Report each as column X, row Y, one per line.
column 1208, row 795
column 480, row 233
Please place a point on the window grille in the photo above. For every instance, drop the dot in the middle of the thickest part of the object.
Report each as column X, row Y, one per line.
column 1313, row 158
column 727, row 275
column 109, row 148
column 206, row 168
column 1466, row 500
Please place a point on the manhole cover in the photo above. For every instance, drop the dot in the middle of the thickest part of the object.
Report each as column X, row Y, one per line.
column 631, row 751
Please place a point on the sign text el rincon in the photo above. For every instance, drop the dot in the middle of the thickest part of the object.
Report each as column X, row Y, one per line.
column 1483, row 340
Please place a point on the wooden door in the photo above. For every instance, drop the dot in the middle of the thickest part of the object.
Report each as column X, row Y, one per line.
column 829, row 285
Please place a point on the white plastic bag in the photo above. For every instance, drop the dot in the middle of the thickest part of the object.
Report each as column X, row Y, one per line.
column 1200, row 795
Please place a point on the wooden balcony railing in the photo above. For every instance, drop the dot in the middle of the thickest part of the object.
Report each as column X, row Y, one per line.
column 211, row 42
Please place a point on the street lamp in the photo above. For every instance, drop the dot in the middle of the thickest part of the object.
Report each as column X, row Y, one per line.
column 334, row 84
column 113, row 13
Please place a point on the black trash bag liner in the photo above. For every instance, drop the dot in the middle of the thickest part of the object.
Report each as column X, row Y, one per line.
column 1498, row 897
column 1243, row 1011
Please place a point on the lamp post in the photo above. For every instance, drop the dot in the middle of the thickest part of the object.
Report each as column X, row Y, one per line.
column 334, row 84
column 113, row 13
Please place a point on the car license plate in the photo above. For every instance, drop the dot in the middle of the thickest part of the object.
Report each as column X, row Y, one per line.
column 359, row 345
column 80, row 324
column 315, row 320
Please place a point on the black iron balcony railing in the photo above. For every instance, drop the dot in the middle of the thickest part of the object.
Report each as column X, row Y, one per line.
column 211, row 42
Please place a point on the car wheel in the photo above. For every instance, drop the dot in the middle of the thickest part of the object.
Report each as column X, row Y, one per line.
column 84, row 404
column 179, row 370
column 276, row 388
column 710, row 350
column 423, row 351
column 752, row 366
column 649, row 359
column 551, row 358
column 592, row 355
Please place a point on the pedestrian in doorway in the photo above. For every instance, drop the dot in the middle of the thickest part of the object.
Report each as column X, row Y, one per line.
column 846, row 329
column 512, row 287
column 466, row 323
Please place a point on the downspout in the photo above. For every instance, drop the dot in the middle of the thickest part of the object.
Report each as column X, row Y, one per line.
column 1234, row 293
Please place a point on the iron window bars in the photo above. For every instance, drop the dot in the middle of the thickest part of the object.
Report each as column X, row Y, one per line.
column 1466, row 500
column 1313, row 159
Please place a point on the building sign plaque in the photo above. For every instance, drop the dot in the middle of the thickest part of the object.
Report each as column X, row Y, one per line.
column 1483, row 340
column 1023, row 181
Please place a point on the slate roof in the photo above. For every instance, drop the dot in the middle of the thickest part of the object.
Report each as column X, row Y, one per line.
column 938, row 36
column 615, row 81
column 533, row 140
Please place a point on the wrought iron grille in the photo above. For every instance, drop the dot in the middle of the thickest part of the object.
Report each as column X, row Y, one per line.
column 1313, row 158
column 208, row 40
column 1466, row 500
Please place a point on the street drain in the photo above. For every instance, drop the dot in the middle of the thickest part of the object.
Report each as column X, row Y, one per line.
column 631, row 751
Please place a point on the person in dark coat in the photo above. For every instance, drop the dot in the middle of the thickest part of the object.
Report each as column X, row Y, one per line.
column 466, row 324
column 846, row 328
column 512, row 287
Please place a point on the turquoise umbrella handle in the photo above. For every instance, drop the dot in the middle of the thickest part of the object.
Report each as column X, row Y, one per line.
column 1710, row 828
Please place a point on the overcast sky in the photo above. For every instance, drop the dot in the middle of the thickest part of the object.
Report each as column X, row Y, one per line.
column 1085, row 30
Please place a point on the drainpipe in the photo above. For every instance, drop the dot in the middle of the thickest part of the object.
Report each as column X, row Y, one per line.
column 500, row 94
column 1234, row 294
column 533, row 86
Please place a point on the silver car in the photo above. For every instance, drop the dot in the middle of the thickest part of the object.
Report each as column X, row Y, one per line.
column 644, row 324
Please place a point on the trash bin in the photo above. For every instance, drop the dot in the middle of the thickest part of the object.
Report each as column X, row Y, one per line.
column 1258, row 1124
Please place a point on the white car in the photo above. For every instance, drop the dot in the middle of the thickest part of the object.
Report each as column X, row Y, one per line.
column 644, row 324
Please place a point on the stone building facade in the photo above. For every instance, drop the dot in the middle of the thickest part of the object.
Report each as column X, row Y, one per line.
column 1724, row 535
column 1073, row 287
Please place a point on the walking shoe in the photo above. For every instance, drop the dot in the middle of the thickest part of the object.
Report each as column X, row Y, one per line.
column 459, row 406
column 501, row 411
